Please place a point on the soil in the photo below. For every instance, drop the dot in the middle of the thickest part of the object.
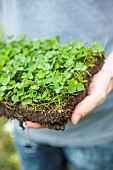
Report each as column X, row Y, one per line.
column 50, row 116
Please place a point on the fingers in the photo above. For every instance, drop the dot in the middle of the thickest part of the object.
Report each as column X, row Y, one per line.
column 84, row 107
column 29, row 124
column 98, row 91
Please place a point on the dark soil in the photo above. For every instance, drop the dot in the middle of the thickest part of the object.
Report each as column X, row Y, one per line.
column 50, row 116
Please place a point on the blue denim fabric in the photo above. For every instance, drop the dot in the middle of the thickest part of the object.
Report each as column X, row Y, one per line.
column 41, row 157
column 37, row 156
column 91, row 158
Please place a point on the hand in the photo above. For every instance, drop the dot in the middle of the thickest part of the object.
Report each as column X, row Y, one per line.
column 100, row 86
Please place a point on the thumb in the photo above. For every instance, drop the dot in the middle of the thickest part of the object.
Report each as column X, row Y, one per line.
column 85, row 107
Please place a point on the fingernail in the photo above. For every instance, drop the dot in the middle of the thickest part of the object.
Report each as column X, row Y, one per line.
column 89, row 92
column 25, row 124
column 77, row 118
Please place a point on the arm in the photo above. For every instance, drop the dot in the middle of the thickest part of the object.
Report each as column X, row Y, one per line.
column 100, row 86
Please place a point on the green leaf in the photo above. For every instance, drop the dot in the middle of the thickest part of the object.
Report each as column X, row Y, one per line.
column 72, row 82
column 15, row 98
column 69, row 63
column 80, row 87
column 34, row 87
column 58, row 88
column 96, row 47
column 27, row 102
column 39, row 96
column 19, row 85
column 40, row 74
column 44, row 94
column 27, row 75
column 71, row 89
column 20, row 93
column 4, row 80
column 72, row 86
column 77, row 44
column 3, row 88
column 1, row 93
column 80, row 66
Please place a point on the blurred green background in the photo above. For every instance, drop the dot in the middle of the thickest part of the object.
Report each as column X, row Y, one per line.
column 8, row 157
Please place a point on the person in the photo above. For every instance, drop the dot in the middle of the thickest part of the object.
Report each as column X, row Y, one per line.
column 86, row 143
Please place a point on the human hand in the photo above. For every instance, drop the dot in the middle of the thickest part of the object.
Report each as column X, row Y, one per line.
column 100, row 87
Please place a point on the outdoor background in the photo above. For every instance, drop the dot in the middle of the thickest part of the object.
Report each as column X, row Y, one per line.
column 8, row 156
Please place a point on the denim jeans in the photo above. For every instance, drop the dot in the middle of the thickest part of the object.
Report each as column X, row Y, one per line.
column 37, row 156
